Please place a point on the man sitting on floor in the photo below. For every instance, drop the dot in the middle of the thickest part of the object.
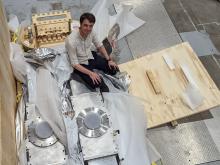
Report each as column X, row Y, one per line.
column 83, row 60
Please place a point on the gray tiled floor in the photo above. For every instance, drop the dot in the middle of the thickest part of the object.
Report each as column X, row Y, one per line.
column 125, row 54
column 157, row 33
column 191, row 15
column 211, row 65
column 188, row 144
column 200, row 42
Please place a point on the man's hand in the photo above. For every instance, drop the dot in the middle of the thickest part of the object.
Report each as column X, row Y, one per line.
column 95, row 78
column 112, row 65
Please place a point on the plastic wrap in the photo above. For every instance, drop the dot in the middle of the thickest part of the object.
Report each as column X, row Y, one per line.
column 74, row 154
column 48, row 102
column 78, row 88
column 42, row 54
column 31, row 84
column 13, row 23
column 41, row 57
column 102, row 25
column 132, row 2
column 54, row 61
column 18, row 63
column 126, row 20
column 192, row 97
column 62, row 69
column 128, row 116
column 120, row 81
column 20, row 137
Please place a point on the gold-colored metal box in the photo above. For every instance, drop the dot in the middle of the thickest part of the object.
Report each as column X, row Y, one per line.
column 51, row 27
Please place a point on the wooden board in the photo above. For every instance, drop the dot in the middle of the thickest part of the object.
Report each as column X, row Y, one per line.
column 8, row 154
column 164, row 104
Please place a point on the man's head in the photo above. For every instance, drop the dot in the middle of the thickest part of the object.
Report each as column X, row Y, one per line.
column 87, row 20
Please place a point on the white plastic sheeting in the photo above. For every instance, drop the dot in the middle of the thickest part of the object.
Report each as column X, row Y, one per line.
column 192, row 97
column 73, row 150
column 127, row 21
column 20, row 137
column 19, row 66
column 62, row 69
column 74, row 154
column 48, row 102
column 128, row 116
column 102, row 25
column 133, row 3
column 31, row 84
column 13, row 23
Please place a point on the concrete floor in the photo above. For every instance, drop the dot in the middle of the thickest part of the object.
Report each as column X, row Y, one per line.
column 193, row 15
column 196, row 139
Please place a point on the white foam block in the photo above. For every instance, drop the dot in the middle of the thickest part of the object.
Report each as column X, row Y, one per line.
column 192, row 96
column 169, row 61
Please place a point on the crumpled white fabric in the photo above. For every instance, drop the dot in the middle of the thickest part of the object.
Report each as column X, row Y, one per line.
column 129, row 117
column 13, row 23
column 127, row 21
column 19, row 66
column 49, row 104
column 62, row 69
column 20, row 137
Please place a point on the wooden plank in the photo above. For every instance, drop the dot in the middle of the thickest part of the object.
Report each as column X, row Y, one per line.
column 168, row 105
column 7, row 97
column 155, row 84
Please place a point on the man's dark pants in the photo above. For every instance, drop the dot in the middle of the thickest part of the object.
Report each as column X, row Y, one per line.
column 97, row 63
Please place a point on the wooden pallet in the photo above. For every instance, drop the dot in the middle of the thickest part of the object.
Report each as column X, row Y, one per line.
column 162, row 87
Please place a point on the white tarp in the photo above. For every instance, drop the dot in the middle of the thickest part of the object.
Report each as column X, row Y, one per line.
column 127, row 21
column 13, row 23
column 20, row 133
column 19, row 66
column 49, row 104
column 128, row 116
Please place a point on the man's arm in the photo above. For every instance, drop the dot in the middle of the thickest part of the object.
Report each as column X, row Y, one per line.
column 99, row 46
column 104, row 53
column 111, row 63
column 94, row 76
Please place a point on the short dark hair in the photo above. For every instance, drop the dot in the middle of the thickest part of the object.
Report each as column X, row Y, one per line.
column 88, row 16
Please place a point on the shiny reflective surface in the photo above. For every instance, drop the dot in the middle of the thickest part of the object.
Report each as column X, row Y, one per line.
column 92, row 122
column 42, row 54
column 43, row 130
column 40, row 133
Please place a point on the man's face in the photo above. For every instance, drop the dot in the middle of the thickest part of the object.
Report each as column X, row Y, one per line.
column 86, row 27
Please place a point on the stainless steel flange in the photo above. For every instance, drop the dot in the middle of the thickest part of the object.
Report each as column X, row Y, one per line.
column 93, row 122
column 41, row 134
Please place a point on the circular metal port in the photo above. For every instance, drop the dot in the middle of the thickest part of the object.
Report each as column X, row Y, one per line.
column 93, row 122
column 41, row 134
